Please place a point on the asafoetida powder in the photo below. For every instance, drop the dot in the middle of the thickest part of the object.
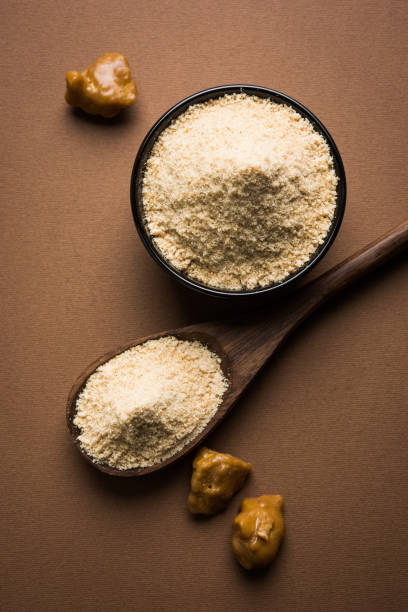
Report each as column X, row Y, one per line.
column 239, row 192
column 147, row 403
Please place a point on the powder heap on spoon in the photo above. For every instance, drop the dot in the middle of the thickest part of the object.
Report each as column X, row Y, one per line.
column 147, row 403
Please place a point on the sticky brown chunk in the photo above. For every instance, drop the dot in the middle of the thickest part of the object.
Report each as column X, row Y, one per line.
column 258, row 531
column 216, row 478
column 104, row 88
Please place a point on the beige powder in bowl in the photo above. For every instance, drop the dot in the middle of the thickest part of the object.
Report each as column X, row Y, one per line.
column 239, row 192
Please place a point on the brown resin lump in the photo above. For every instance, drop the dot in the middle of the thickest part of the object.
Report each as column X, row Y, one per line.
column 258, row 530
column 216, row 478
column 104, row 88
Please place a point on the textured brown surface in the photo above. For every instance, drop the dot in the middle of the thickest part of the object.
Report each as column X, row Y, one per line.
column 325, row 423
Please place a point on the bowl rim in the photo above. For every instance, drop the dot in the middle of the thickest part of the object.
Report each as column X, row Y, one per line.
column 162, row 123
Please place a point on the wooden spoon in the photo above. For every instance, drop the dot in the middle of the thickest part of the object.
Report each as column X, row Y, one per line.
column 245, row 345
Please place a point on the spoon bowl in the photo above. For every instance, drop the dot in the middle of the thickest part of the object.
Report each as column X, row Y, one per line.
column 181, row 334
column 244, row 345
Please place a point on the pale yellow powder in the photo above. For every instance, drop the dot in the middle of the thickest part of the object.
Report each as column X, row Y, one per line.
column 147, row 403
column 239, row 192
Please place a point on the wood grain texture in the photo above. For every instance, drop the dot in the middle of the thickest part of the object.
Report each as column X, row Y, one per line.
column 244, row 346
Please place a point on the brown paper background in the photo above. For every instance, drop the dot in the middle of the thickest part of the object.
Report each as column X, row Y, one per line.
column 324, row 424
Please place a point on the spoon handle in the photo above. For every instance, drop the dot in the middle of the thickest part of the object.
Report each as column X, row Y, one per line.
column 250, row 342
column 347, row 272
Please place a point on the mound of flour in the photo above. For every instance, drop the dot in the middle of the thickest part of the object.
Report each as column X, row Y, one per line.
column 239, row 192
column 147, row 403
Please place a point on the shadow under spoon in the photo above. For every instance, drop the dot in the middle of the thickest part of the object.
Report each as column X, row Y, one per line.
column 244, row 345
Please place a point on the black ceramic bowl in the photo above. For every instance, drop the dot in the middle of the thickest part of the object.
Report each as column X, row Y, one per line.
column 162, row 124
